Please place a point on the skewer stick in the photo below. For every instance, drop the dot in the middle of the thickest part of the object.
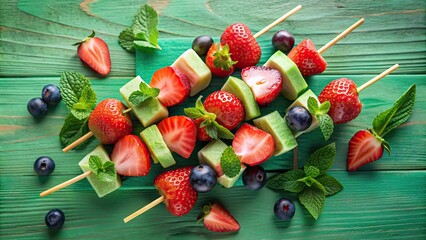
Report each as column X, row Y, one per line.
column 78, row 141
column 144, row 209
column 378, row 77
column 65, row 184
column 295, row 157
column 340, row 36
column 276, row 22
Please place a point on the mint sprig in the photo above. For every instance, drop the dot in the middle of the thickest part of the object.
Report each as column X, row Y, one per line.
column 73, row 129
column 320, row 112
column 230, row 163
column 144, row 93
column 213, row 128
column 311, row 183
column 143, row 33
column 104, row 171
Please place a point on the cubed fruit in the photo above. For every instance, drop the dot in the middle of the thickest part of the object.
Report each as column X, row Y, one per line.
column 157, row 147
column 210, row 155
column 101, row 188
column 275, row 125
column 303, row 102
column 240, row 89
column 293, row 82
column 150, row 111
column 199, row 75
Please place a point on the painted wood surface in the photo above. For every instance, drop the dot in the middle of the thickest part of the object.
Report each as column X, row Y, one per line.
column 384, row 200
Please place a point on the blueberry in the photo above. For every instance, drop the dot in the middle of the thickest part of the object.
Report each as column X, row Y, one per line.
column 283, row 40
column 37, row 107
column 298, row 118
column 51, row 94
column 201, row 44
column 54, row 219
column 254, row 178
column 284, row 209
column 44, row 166
column 202, row 178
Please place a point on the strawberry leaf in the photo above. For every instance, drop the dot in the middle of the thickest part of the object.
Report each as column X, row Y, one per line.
column 230, row 163
column 331, row 185
column 223, row 132
column 211, row 130
column 313, row 199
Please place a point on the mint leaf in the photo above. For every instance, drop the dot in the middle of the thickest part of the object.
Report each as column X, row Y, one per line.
column 397, row 114
column 322, row 158
column 324, row 108
column 230, row 163
column 73, row 129
column 104, row 171
column 144, row 44
column 72, row 85
column 311, row 171
column 312, row 182
column 288, row 181
column 331, row 185
column 313, row 105
column 126, row 39
column 313, row 199
column 85, row 104
column 95, row 164
column 144, row 93
column 320, row 112
column 326, row 125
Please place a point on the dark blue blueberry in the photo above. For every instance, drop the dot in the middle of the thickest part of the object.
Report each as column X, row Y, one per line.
column 284, row 209
column 44, row 166
column 202, row 44
column 37, row 107
column 298, row 118
column 54, row 219
column 254, row 178
column 283, row 41
column 202, row 178
column 51, row 94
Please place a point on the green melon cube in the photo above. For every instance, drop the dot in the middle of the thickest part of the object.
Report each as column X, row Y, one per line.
column 302, row 101
column 157, row 147
column 101, row 188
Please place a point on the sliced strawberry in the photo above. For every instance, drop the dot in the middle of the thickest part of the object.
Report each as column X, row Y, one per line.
column 307, row 59
column 253, row 145
column 364, row 147
column 174, row 86
column 95, row 53
column 131, row 157
column 201, row 132
column 217, row 219
column 264, row 82
column 179, row 133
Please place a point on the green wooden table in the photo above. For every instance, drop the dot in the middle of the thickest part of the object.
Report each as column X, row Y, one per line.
column 384, row 200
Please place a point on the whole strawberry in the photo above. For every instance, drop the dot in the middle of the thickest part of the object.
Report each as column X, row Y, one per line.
column 95, row 53
column 243, row 46
column 219, row 60
column 108, row 123
column 343, row 96
column 227, row 107
column 174, row 185
column 307, row 59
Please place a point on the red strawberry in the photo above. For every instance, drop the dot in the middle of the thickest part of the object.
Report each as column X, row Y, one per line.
column 217, row 219
column 364, row 147
column 343, row 96
column 228, row 108
column 174, row 86
column 108, row 123
column 242, row 45
column 253, row 145
column 174, row 185
column 131, row 157
column 307, row 59
column 201, row 132
column 95, row 53
column 264, row 82
column 179, row 133
column 219, row 60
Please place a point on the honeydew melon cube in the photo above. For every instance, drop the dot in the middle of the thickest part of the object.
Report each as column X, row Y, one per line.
column 150, row 111
column 302, row 101
column 157, row 147
column 101, row 188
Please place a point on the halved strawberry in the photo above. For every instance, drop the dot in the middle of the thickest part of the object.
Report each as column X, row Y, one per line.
column 264, row 82
column 95, row 53
column 174, row 86
column 307, row 59
column 179, row 133
column 253, row 145
column 365, row 147
column 131, row 157
column 217, row 219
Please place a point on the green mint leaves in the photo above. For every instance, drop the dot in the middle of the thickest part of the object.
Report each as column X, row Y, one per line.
column 213, row 128
column 320, row 112
column 104, row 171
column 143, row 34
column 230, row 163
column 145, row 92
column 311, row 183
column 80, row 99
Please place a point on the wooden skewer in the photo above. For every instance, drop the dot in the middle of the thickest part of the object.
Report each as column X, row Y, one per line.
column 144, row 209
column 295, row 157
column 78, row 142
column 340, row 36
column 65, row 184
column 378, row 77
column 276, row 22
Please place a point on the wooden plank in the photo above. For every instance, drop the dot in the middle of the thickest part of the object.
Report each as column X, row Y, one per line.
column 382, row 205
